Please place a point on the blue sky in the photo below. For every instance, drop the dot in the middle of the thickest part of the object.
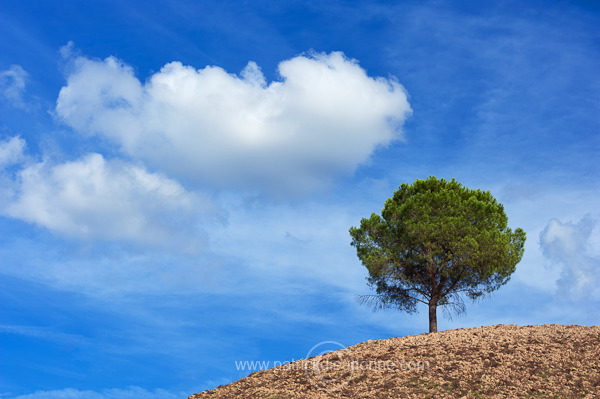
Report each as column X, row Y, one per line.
column 177, row 178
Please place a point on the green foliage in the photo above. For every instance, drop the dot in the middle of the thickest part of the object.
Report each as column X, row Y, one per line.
column 435, row 240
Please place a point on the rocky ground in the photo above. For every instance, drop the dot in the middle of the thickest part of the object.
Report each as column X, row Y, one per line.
column 503, row 361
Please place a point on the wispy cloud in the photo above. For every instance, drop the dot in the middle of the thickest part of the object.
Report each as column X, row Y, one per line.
column 12, row 86
column 521, row 81
column 324, row 118
column 11, row 151
column 129, row 393
column 43, row 333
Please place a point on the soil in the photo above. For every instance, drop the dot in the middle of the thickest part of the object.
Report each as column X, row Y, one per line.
column 502, row 361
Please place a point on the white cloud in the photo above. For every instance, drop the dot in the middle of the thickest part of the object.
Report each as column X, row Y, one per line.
column 11, row 151
column 95, row 198
column 568, row 244
column 324, row 118
column 129, row 393
column 12, row 85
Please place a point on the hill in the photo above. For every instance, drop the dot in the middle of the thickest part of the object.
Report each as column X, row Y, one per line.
column 502, row 361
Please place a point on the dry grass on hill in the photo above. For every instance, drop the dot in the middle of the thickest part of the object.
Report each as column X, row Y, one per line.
column 503, row 361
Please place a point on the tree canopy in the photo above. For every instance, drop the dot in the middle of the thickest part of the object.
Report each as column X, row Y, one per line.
column 435, row 241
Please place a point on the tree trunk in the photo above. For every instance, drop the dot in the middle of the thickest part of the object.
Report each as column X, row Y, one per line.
column 433, row 315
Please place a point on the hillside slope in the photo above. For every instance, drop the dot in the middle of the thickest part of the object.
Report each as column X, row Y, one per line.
column 503, row 361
